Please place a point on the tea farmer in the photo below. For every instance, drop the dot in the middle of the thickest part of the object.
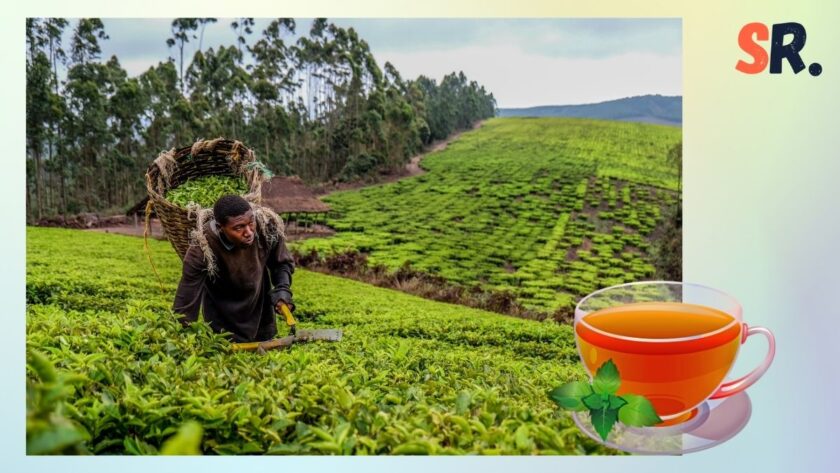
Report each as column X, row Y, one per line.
column 238, row 275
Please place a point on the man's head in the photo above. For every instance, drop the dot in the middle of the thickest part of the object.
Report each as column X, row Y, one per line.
column 235, row 219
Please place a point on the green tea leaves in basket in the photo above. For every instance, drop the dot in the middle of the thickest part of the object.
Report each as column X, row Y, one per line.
column 205, row 191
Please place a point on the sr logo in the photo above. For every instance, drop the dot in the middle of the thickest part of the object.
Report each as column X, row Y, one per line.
column 753, row 32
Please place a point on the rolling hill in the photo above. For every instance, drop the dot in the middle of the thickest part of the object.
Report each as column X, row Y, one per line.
column 549, row 209
column 656, row 109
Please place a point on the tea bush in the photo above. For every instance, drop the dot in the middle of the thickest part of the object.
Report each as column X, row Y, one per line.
column 111, row 372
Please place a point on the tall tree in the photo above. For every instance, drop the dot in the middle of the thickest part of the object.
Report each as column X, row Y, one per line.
column 88, row 87
column 37, row 102
column 203, row 22
column 242, row 27
column 85, row 44
column 182, row 30
column 160, row 90
column 54, row 30
column 125, row 109
column 271, row 82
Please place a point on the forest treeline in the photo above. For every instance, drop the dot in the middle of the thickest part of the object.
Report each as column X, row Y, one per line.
column 316, row 105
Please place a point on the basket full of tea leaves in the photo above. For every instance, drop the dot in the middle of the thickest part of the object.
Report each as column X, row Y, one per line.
column 181, row 182
column 204, row 191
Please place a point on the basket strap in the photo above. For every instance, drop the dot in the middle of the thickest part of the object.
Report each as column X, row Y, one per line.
column 153, row 194
column 146, row 231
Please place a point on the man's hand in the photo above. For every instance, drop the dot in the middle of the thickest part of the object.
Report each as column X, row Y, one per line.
column 278, row 307
column 280, row 296
column 287, row 314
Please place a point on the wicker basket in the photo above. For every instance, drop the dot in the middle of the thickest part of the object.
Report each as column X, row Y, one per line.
column 204, row 158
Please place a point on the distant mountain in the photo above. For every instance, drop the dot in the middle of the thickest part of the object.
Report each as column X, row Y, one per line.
column 658, row 109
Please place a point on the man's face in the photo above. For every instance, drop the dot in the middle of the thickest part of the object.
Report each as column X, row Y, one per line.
column 239, row 230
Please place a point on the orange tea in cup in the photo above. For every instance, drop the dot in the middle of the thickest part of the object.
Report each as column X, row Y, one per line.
column 672, row 342
column 675, row 354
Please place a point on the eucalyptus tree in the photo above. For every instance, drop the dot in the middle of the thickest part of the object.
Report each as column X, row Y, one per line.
column 319, row 106
column 215, row 79
column 402, row 133
column 182, row 30
column 203, row 22
column 54, row 31
column 88, row 87
column 271, row 83
column 37, row 104
column 159, row 86
column 242, row 27
column 85, row 43
column 126, row 109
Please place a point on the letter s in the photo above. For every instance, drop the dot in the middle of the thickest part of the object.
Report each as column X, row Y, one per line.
column 745, row 41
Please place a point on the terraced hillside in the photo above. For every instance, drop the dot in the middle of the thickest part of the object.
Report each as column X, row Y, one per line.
column 549, row 208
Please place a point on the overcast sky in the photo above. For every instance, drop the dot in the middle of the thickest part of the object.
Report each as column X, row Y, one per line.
column 522, row 62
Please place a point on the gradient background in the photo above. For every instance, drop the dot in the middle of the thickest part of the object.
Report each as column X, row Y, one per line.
column 762, row 185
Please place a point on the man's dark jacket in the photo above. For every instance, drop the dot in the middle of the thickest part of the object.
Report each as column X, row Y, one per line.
column 239, row 299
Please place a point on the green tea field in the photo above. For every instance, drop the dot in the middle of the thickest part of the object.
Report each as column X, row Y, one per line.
column 111, row 372
column 549, row 209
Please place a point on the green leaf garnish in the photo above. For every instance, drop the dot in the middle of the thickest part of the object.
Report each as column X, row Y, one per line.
column 616, row 402
column 569, row 395
column 595, row 401
column 606, row 379
column 605, row 407
column 603, row 401
column 603, row 420
column 638, row 412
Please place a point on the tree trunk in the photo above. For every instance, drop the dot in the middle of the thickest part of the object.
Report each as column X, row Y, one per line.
column 181, row 66
column 37, row 155
column 28, row 207
column 51, row 193
column 60, row 151
column 49, row 176
column 61, row 170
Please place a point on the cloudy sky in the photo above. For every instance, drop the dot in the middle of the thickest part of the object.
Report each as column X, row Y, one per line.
column 523, row 62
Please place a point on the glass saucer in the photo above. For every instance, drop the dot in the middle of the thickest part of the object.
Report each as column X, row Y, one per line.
column 715, row 422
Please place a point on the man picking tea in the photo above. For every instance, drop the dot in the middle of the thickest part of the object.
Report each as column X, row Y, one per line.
column 238, row 275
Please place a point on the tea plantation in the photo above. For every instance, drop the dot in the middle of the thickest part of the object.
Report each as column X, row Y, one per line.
column 550, row 208
column 110, row 371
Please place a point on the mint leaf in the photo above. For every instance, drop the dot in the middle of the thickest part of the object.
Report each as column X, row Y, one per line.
column 606, row 379
column 603, row 421
column 603, row 401
column 616, row 402
column 637, row 411
column 595, row 401
column 569, row 395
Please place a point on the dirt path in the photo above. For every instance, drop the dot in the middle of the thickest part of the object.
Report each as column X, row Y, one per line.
column 133, row 230
column 412, row 168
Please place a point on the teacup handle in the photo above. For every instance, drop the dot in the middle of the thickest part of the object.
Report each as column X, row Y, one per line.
column 740, row 384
